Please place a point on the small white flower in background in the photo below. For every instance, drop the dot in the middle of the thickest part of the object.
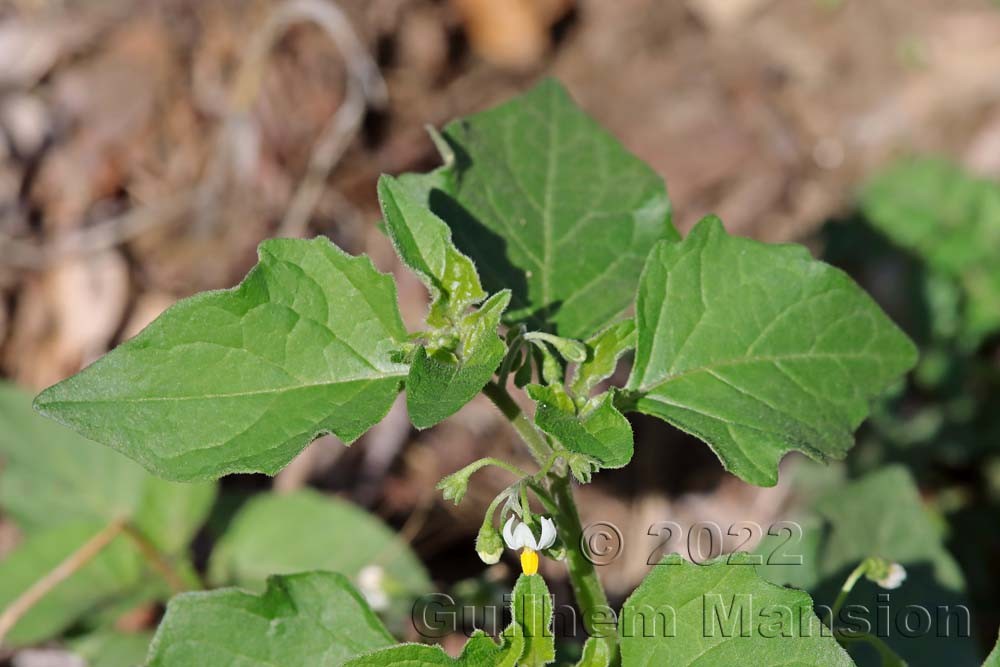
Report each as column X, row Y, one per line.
column 370, row 583
column 518, row 536
column 894, row 576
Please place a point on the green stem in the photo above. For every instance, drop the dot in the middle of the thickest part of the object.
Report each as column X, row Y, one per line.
column 846, row 589
column 888, row 657
column 475, row 466
column 587, row 588
column 532, row 438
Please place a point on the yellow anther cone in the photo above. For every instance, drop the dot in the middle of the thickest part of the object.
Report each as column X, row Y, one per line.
column 529, row 561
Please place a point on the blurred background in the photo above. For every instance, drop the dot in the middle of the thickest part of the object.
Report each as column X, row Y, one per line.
column 146, row 148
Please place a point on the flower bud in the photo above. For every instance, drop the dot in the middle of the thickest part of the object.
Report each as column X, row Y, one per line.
column 489, row 544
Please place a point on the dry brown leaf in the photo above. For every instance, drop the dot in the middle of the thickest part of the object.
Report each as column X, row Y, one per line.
column 66, row 318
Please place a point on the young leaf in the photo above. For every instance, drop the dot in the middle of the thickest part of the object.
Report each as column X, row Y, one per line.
column 598, row 431
column 441, row 382
column 531, row 606
column 951, row 220
column 479, row 651
column 759, row 349
column 266, row 538
column 880, row 515
column 596, row 653
column 314, row 619
column 603, row 352
column 423, row 241
column 549, row 204
column 241, row 380
column 721, row 614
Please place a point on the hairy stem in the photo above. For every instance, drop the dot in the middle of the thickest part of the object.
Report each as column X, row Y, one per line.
column 587, row 588
column 532, row 438
column 63, row 571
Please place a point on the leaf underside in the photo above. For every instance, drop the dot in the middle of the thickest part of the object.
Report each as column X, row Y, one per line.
column 241, row 380
column 759, row 349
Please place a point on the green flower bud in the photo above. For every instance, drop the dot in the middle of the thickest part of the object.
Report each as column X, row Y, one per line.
column 489, row 544
column 454, row 486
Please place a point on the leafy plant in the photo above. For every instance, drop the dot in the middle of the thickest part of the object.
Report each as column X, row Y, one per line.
column 536, row 239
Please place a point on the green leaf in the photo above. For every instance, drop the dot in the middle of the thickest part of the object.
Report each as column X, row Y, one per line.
column 759, row 350
column 880, row 515
column 603, row 352
column 241, row 380
column 951, row 220
column 314, row 619
column 569, row 349
column 112, row 649
column 423, row 241
column 479, row 651
column 596, row 653
column 305, row 530
column 723, row 614
column 549, row 204
column 531, row 607
column 441, row 382
column 598, row 430
column 527, row 641
column 62, row 490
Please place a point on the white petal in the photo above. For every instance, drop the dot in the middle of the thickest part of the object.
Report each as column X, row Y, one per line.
column 894, row 578
column 523, row 537
column 548, row 537
column 508, row 534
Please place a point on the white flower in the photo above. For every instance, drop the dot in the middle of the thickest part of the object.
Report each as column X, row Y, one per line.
column 520, row 536
column 893, row 577
column 371, row 584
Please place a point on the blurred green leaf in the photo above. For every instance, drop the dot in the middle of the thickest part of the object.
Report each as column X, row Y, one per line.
column 242, row 380
column 879, row 515
column 759, row 350
column 112, row 649
column 305, row 530
column 951, row 220
column 313, row 619
column 62, row 490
